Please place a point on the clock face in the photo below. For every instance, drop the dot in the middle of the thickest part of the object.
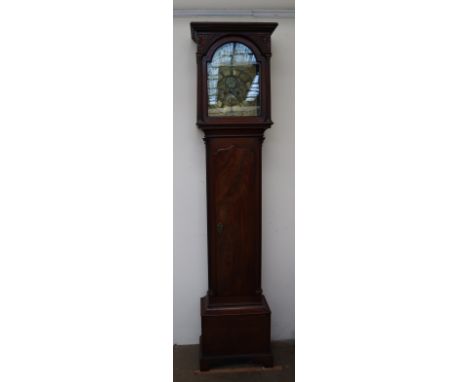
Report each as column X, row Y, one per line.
column 233, row 82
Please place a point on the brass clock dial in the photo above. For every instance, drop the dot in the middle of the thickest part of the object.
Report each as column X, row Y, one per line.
column 233, row 82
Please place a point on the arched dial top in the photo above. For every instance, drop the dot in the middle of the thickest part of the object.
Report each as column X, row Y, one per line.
column 233, row 78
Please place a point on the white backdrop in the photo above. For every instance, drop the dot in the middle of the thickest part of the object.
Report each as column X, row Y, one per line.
column 190, row 252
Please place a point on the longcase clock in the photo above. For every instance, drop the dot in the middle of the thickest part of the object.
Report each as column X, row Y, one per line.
column 233, row 110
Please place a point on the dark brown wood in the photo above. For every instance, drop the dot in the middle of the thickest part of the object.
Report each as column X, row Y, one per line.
column 238, row 369
column 235, row 315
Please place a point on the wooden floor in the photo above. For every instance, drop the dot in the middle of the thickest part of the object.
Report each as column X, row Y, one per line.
column 186, row 368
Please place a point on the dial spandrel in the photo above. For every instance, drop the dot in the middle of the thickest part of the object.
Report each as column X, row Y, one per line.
column 233, row 82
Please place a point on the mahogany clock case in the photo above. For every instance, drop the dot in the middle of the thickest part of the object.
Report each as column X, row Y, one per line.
column 235, row 316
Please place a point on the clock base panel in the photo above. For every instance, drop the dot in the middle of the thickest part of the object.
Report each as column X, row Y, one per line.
column 235, row 334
